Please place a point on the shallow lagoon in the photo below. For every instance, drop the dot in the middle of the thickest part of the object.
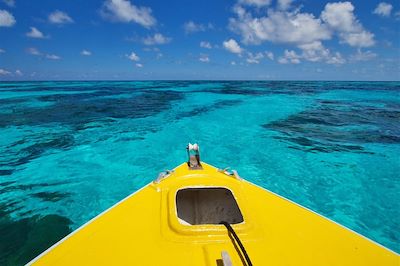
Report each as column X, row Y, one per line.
column 72, row 149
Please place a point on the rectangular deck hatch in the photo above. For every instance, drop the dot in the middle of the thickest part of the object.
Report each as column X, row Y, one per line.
column 207, row 206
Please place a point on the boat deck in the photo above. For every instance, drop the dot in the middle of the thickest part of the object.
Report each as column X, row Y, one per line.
column 144, row 229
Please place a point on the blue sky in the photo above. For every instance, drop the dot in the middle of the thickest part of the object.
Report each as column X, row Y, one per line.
column 207, row 39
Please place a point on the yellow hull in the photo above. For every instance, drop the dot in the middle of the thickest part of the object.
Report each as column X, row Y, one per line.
column 143, row 229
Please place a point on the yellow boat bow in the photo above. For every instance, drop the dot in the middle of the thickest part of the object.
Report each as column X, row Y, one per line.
column 175, row 220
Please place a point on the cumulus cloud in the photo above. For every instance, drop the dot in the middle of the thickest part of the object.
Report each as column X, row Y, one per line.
column 10, row 3
column 302, row 30
column 254, row 58
column 6, row 19
column 133, row 57
column 33, row 51
column 35, row 33
column 278, row 26
column 125, row 11
column 139, row 65
column 336, row 59
column 59, row 17
column 192, row 27
column 204, row 44
column 52, row 57
column 341, row 19
column 269, row 55
column 312, row 52
column 284, row 4
column 358, row 39
column 232, row 46
column 86, row 53
column 363, row 56
column 156, row 39
column 4, row 72
column 18, row 72
column 36, row 52
column 339, row 16
column 289, row 57
column 383, row 9
column 257, row 3
column 316, row 52
column 204, row 58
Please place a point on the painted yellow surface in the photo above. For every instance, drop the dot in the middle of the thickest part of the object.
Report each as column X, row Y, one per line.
column 143, row 230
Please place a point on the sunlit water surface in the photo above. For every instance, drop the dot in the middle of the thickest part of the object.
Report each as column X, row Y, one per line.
column 70, row 150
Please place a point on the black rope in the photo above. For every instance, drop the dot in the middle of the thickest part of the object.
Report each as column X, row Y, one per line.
column 230, row 230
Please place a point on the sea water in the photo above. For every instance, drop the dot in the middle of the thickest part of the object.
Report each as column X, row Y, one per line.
column 70, row 150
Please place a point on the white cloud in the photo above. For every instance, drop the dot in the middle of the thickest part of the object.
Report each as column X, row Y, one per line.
column 269, row 55
column 257, row 3
column 300, row 29
column 59, row 17
column 133, row 57
column 157, row 38
column 284, row 4
column 36, row 52
column 205, row 44
column 358, row 39
column 2, row 51
column 316, row 52
column 383, row 9
column 35, row 33
column 340, row 18
column 10, row 3
column 232, row 46
column 278, row 26
column 139, row 65
column 254, row 58
column 86, row 53
column 18, row 72
column 6, row 19
column 4, row 72
column 125, row 11
column 290, row 57
column 192, row 27
column 204, row 58
column 363, row 56
column 53, row 57
column 336, row 59
column 312, row 52
column 33, row 51
column 233, row 63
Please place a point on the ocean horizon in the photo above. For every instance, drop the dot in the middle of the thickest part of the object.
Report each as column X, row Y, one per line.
column 202, row 80
column 72, row 149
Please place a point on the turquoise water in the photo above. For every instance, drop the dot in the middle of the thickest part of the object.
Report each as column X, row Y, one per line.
column 69, row 150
